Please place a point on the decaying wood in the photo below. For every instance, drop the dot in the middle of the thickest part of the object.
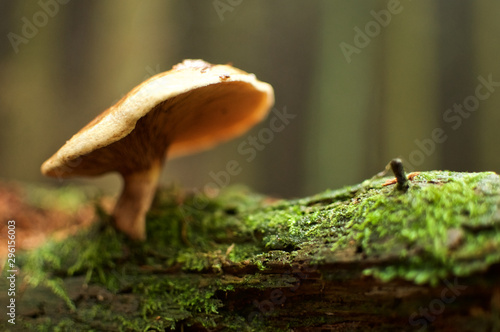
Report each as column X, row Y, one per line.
column 296, row 281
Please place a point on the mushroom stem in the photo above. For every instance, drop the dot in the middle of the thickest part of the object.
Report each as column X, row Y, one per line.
column 138, row 191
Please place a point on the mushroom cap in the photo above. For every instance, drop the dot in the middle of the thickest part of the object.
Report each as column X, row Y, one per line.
column 189, row 108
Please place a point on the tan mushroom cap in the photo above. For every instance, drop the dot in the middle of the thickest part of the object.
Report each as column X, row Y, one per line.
column 190, row 108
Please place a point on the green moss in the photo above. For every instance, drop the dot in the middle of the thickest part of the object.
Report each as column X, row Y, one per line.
column 445, row 224
column 434, row 218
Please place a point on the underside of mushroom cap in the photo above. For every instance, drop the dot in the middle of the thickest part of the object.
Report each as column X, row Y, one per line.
column 190, row 108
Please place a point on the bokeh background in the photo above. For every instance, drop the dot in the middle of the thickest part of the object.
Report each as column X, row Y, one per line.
column 367, row 81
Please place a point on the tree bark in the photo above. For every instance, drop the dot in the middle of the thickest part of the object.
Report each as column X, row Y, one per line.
column 367, row 257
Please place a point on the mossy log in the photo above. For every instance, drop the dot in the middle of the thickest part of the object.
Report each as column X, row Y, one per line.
column 368, row 257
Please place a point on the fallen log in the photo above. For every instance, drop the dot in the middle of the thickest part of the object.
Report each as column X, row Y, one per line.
column 377, row 256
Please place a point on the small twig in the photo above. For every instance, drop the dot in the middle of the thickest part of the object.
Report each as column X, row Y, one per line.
column 399, row 173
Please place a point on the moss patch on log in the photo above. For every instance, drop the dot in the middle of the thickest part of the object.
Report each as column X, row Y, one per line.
column 199, row 249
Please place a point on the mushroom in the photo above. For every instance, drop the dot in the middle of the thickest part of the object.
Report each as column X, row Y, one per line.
column 189, row 108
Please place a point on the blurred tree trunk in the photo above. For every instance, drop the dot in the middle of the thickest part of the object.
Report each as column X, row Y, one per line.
column 456, row 54
column 26, row 83
column 290, row 45
column 487, row 47
column 408, row 76
column 341, row 95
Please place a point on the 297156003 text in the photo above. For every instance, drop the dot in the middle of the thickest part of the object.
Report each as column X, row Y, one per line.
column 12, row 271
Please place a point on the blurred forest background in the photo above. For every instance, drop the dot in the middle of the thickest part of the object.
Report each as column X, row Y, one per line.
column 367, row 81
